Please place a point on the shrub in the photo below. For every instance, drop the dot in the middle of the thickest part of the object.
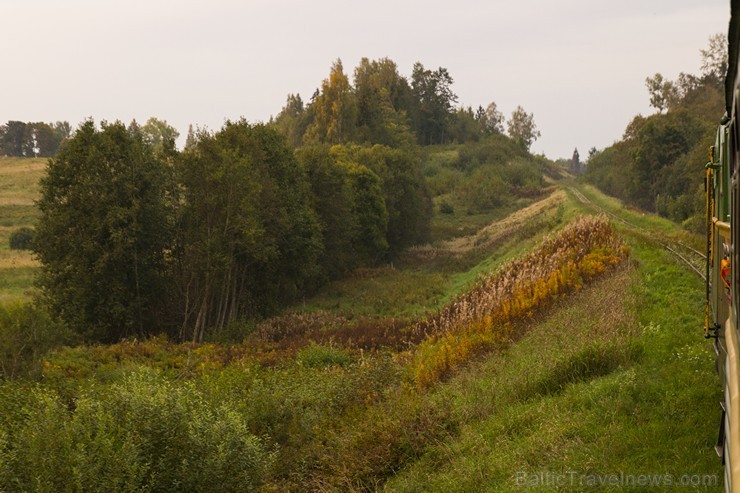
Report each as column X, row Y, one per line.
column 315, row 355
column 144, row 434
column 445, row 181
column 22, row 238
column 696, row 224
column 234, row 331
column 523, row 176
column 484, row 190
column 446, row 208
column 26, row 334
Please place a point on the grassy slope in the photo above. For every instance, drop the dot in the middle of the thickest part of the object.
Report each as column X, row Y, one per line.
column 617, row 379
column 18, row 189
column 614, row 379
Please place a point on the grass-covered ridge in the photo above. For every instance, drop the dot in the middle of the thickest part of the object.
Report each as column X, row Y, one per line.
column 482, row 317
column 600, row 375
column 618, row 379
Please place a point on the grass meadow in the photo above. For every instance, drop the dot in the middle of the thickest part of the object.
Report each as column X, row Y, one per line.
column 411, row 377
column 18, row 189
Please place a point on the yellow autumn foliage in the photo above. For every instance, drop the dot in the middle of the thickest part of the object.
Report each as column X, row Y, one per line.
column 481, row 318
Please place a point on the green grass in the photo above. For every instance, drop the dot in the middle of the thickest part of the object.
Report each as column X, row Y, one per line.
column 385, row 291
column 525, row 238
column 19, row 179
column 616, row 379
column 641, row 219
column 460, row 223
column 418, row 285
column 16, row 283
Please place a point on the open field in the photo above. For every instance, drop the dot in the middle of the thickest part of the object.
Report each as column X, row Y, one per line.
column 18, row 190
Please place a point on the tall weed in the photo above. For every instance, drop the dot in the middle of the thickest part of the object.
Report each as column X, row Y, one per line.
column 482, row 317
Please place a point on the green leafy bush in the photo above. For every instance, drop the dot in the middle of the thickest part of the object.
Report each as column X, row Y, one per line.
column 26, row 334
column 143, row 434
column 22, row 238
column 484, row 190
column 315, row 355
column 523, row 176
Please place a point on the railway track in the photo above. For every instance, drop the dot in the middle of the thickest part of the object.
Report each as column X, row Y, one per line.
column 684, row 253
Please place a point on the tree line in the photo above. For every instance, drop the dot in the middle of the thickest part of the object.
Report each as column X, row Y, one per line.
column 134, row 238
column 32, row 139
column 658, row 164
column 384, row 107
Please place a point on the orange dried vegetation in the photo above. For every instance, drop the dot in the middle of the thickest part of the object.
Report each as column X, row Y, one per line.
column 481, row 318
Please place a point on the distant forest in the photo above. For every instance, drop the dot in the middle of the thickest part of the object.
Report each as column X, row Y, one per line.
column 39, row 139
column 136, row 237
column 383, row 107
column 659, row 163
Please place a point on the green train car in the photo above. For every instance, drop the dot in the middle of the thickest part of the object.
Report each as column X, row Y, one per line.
column 722, row 278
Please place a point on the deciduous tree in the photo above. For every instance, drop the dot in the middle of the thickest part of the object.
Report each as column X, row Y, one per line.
column 434, row 103
column 250, row 240
column 382, row 95
column 292, row 120
column 160, row 135
column 103, row 232
column 13, row 137
column 491, row 119
column 714, row 59
column 406, row 195
column 522, row 127
column 334, row 110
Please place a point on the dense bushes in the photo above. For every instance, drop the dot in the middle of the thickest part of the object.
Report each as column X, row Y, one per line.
column 494, row 150
column 481, row 176
column 142, row 434
column 129, row 426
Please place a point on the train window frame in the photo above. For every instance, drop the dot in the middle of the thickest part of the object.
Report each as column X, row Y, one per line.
column 734, row 251
column 733, row 158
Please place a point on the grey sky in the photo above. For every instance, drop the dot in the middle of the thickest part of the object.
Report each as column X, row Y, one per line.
column 578, row 65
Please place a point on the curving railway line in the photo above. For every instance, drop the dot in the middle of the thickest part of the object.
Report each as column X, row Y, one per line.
column 690, row 256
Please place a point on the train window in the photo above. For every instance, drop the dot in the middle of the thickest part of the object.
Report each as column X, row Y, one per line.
column 735, row 237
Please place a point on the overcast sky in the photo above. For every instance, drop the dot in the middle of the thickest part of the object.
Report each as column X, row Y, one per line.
column 578, row 65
